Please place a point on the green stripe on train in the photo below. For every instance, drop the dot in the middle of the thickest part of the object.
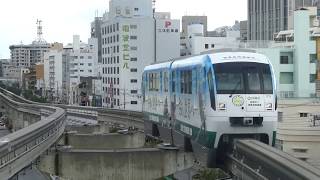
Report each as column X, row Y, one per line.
column 274, row 135
column 205, row 138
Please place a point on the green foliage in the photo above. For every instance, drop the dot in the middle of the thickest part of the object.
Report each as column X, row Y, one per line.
column 113, row 129
column 209, row 174
column 152, row 142
column 28, row 94
column 170, row 177
column 14, row 87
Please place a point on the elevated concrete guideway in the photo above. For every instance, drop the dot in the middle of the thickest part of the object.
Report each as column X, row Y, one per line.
column 31, row 135
column 253, row 160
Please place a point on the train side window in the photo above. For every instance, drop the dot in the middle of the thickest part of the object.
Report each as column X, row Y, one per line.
column 173, row 81
column 165, row 81
column 154, row 81
column 186, row 82
column 161, row 81
column 211, row 90
column 150, row 81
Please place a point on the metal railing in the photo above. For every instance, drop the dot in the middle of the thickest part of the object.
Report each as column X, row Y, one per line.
column 21, row 148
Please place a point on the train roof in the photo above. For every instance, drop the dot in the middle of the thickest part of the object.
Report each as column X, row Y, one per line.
column 214, row 57
column 224, row 57
column 158, row 66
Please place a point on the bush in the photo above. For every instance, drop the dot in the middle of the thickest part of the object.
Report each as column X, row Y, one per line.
column 209, row 174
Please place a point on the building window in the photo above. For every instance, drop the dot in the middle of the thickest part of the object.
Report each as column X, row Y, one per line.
column 206, row 46
column 134, row 80
column 90, row 70
column 286, row 78
column 136, row 9
column 118, row 28
column 134, row 92
column 81, row 70
column 133, row 26
column 81, row 64
column 118, row 102
column 133, row 59
column 89, row 57
column 81, row 57
column 134, row 48
column 117, row 59
column 117, row 70
column 133, row 37
column 303, row 114
column 212, row 45
column 134, row 102
column 89, row 64
column 312, row 78
column 299, row 150
column 313, row 58
column 284, row 59
column 134, row 70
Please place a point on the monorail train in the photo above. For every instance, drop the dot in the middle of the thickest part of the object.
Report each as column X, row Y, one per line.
column 203, row 103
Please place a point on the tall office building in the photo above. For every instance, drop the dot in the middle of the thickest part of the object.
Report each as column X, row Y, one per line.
column 133, row 36
column 96, row 33
column 266, row 17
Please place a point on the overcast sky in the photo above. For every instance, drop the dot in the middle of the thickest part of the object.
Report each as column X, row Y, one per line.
column 63, row 18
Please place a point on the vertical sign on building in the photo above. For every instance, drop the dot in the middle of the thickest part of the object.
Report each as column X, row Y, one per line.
column 125, row 46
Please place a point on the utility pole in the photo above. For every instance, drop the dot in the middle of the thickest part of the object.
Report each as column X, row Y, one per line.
column 155, row 30
column 124, row 98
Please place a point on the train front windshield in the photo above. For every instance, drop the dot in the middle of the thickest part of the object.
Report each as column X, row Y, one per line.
column 243, row 78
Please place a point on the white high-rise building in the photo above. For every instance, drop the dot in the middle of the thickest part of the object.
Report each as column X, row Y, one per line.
column 132, row 38
column 56, row 68
column 83, row 63
column 64, row 66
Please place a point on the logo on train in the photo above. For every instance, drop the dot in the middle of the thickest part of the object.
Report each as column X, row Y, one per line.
column 238, row 100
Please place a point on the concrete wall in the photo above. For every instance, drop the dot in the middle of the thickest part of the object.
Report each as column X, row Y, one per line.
column 84, row 129
column 104, row 117
column 296, row 135
column 133, row 164
column 106, row 141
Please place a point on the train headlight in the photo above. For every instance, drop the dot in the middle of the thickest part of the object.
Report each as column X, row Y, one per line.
column 268, row 106
column 222, row 106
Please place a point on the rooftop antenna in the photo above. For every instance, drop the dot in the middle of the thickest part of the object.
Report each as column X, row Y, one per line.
column 39, row 32
column 154, row 6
